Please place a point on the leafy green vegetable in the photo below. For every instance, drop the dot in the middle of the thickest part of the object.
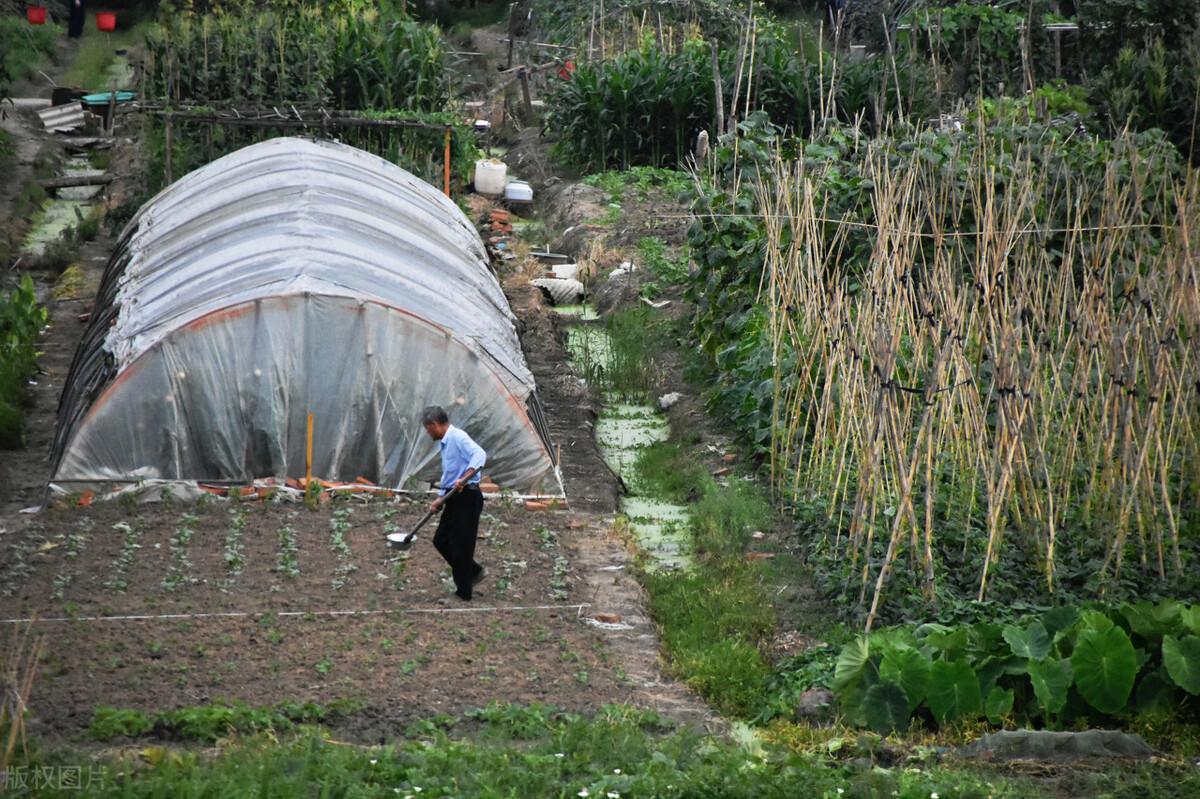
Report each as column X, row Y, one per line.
column 1051, row 680
column 953, row 691
column 1105, row 666
column 999, row 703
column 1182, row 659
column 1031, row 642
column 886, row 707
column 908, row 668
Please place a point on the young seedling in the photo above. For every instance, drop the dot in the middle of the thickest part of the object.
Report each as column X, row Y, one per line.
column 287, row 564
column 339, row 525
column 177, row 572
column 118, row 579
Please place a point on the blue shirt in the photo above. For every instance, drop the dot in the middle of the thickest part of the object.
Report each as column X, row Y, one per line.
column 459, row 453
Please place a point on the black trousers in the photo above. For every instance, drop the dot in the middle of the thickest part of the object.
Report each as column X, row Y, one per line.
column 76, row 20
column 455, row 537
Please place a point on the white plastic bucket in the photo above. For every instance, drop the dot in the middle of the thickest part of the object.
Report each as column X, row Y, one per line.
column 518, row 191
column 490, row 176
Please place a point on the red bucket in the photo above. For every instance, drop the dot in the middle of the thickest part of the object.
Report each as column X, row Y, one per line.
column 106, row 21
column 36, row 15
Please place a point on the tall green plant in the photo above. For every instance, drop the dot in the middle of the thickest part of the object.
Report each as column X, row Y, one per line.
column 349, row 54
column 21, row 323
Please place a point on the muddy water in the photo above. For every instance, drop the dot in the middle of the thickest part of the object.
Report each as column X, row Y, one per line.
column 622, row 432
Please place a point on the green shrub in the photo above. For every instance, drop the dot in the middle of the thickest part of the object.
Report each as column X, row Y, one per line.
column 111, row 722
column 716, row 617
column 1054, row 669
column 22, row 48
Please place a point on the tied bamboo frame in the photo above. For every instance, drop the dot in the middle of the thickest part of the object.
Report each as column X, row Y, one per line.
column 1034, row 395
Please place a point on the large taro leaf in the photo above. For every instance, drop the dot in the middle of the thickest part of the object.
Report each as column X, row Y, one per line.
column 1105, row 666
column 1031, row 642
column 1181, row 656
column 886, row 707
column 1155, row 691
column 999, row 703
column 850, row 662
column 908, row 668
column 1051, row 680
column 1190, row 616
column 953, row 690
column 1060, row 619
column 1153, row 621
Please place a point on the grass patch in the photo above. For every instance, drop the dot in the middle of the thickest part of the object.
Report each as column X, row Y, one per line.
column 23, row 48
column 716, row 619
column 622, row 356
column 533, row 751
column 96, row 54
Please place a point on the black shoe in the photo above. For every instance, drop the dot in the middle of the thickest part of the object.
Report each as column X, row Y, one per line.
column 479, row 577
column 463, row 598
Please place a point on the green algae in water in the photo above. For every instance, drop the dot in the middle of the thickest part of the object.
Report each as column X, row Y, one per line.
column 584, row 312
column 661, row 529
column 622, row 432
column 56, row 218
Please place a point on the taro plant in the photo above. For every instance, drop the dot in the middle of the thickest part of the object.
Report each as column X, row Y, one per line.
column 1052, row 669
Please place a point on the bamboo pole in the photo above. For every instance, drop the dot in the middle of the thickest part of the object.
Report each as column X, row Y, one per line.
column 446, row 164
column 308, row 451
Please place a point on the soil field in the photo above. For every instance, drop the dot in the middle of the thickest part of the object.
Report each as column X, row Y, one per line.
column 358, row 621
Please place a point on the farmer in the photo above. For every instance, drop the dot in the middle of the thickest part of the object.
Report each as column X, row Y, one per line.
column 459, row 494
column 75, row 21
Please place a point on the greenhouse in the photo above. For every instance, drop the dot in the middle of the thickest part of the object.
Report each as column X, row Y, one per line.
column 295, row 279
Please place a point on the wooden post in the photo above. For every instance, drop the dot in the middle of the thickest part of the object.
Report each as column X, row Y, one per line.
column 167, row 147
column 308, row 452
column 718, row 100
column 523, row 74
column 111, row 122
column 446, row 165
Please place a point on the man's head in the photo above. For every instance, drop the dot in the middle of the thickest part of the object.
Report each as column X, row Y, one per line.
column 435, row 421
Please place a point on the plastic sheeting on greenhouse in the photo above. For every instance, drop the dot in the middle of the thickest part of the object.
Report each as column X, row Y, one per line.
column 295, row 277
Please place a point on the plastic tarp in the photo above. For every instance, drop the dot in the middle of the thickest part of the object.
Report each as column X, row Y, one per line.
column 295, row 277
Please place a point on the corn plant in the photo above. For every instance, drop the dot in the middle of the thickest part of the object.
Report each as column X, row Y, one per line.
column 21, row 322
column 348, row 54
